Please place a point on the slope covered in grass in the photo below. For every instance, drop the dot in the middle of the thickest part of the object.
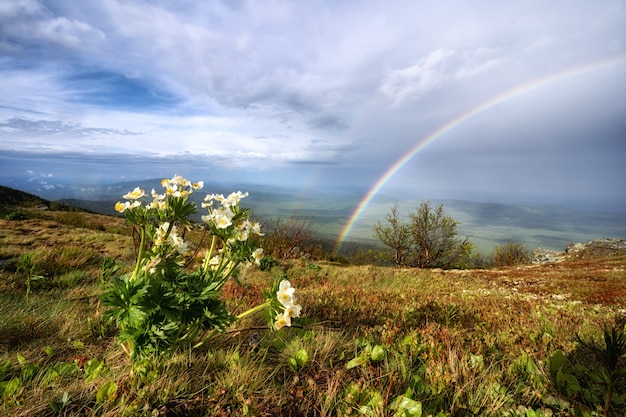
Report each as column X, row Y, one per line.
column 371, row 340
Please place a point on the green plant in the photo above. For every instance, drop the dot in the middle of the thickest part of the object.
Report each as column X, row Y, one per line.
column 428, row 240
column 161, row 306
column 396, row 235
column 109, row 269
column 268, row 262
column 509, row 254
column 610, row 357
column 61, row 403
column 289, row 238
column 369, row 354
column 16, row 215
column 26, row 266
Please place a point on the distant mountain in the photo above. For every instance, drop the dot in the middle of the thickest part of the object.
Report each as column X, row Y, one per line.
column 488, row 224
column 10, row 197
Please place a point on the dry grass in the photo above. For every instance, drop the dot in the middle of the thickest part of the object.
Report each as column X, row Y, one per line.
column 466, row 342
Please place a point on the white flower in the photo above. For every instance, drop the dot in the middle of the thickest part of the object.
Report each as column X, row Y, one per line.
column 136, row 194
column 281, row 322
column 214, row 262
column 241, row 235
column 258, row 255
column 222, row 222
column 122, row 207
column 156, row 196
column 220, row 217
column 292, row 311
column 234, row 198
column 179, row 186
column 285, row 293
column 284, row 319
column 181, row 246
column 256, row 228
column 159, row 237
column 156, row 204
column 180, row 181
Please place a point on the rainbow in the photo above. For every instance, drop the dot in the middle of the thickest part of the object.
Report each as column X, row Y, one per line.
column 452, row 124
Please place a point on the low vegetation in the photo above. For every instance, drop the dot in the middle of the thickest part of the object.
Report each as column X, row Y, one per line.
column 521, row 340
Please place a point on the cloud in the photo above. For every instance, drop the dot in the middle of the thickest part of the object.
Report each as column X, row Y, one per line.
column 20, row 128
column 26, row 24
column 336, row 88
column 412, row 82
column 436, row 70
column 327, row 121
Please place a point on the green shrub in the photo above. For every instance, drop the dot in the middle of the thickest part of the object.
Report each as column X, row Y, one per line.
column 268, row 262
column 16, row 215
column 509, row 254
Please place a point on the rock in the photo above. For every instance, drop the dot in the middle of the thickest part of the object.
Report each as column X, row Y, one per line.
column 544, row 256
column 598, row 247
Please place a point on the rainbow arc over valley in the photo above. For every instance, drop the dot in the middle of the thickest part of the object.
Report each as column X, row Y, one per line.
column 459, row 120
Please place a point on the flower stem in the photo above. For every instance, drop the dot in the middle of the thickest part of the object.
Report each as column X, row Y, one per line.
column 207, row 258
column 140, row 255
column 253, row 310
column 239, row 317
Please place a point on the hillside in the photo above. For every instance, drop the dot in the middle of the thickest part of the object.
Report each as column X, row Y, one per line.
column 10, row 197
column 370, row 340
column 12, row 200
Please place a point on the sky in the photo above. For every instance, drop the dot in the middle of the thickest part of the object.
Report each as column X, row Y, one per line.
column 505, row 101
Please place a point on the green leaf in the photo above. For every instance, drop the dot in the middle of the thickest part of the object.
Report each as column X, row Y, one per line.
column 293, row 364
column 50, row 377
column 6, row 369
column 93, row 367
column 378, row 353
column 22, row 360
column 557, row 360
column 358, row 361
column 29, row 370
column 107, row 392
column 48, row 350
column 68, row 369
column 405, row 406
column 9, row 388
column 301, row 357
column 60, row 405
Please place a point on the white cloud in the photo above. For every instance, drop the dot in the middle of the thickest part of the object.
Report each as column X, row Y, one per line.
column 412, row 82
column 435, row 70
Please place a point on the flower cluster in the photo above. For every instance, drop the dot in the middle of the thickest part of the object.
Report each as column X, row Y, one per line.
column 134, row 200
column 167, row 232
column 162, row 305
column 227, row 220
column 180, row 187
column 222, row 216
column 176, row 187
column 287, row 299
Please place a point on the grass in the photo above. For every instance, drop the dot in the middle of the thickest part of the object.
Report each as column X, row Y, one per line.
column 371, row 340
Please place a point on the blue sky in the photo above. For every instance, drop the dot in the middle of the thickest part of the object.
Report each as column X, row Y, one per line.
column 319, row 94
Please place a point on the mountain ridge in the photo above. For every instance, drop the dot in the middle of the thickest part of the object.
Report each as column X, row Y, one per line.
column 488, row 224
